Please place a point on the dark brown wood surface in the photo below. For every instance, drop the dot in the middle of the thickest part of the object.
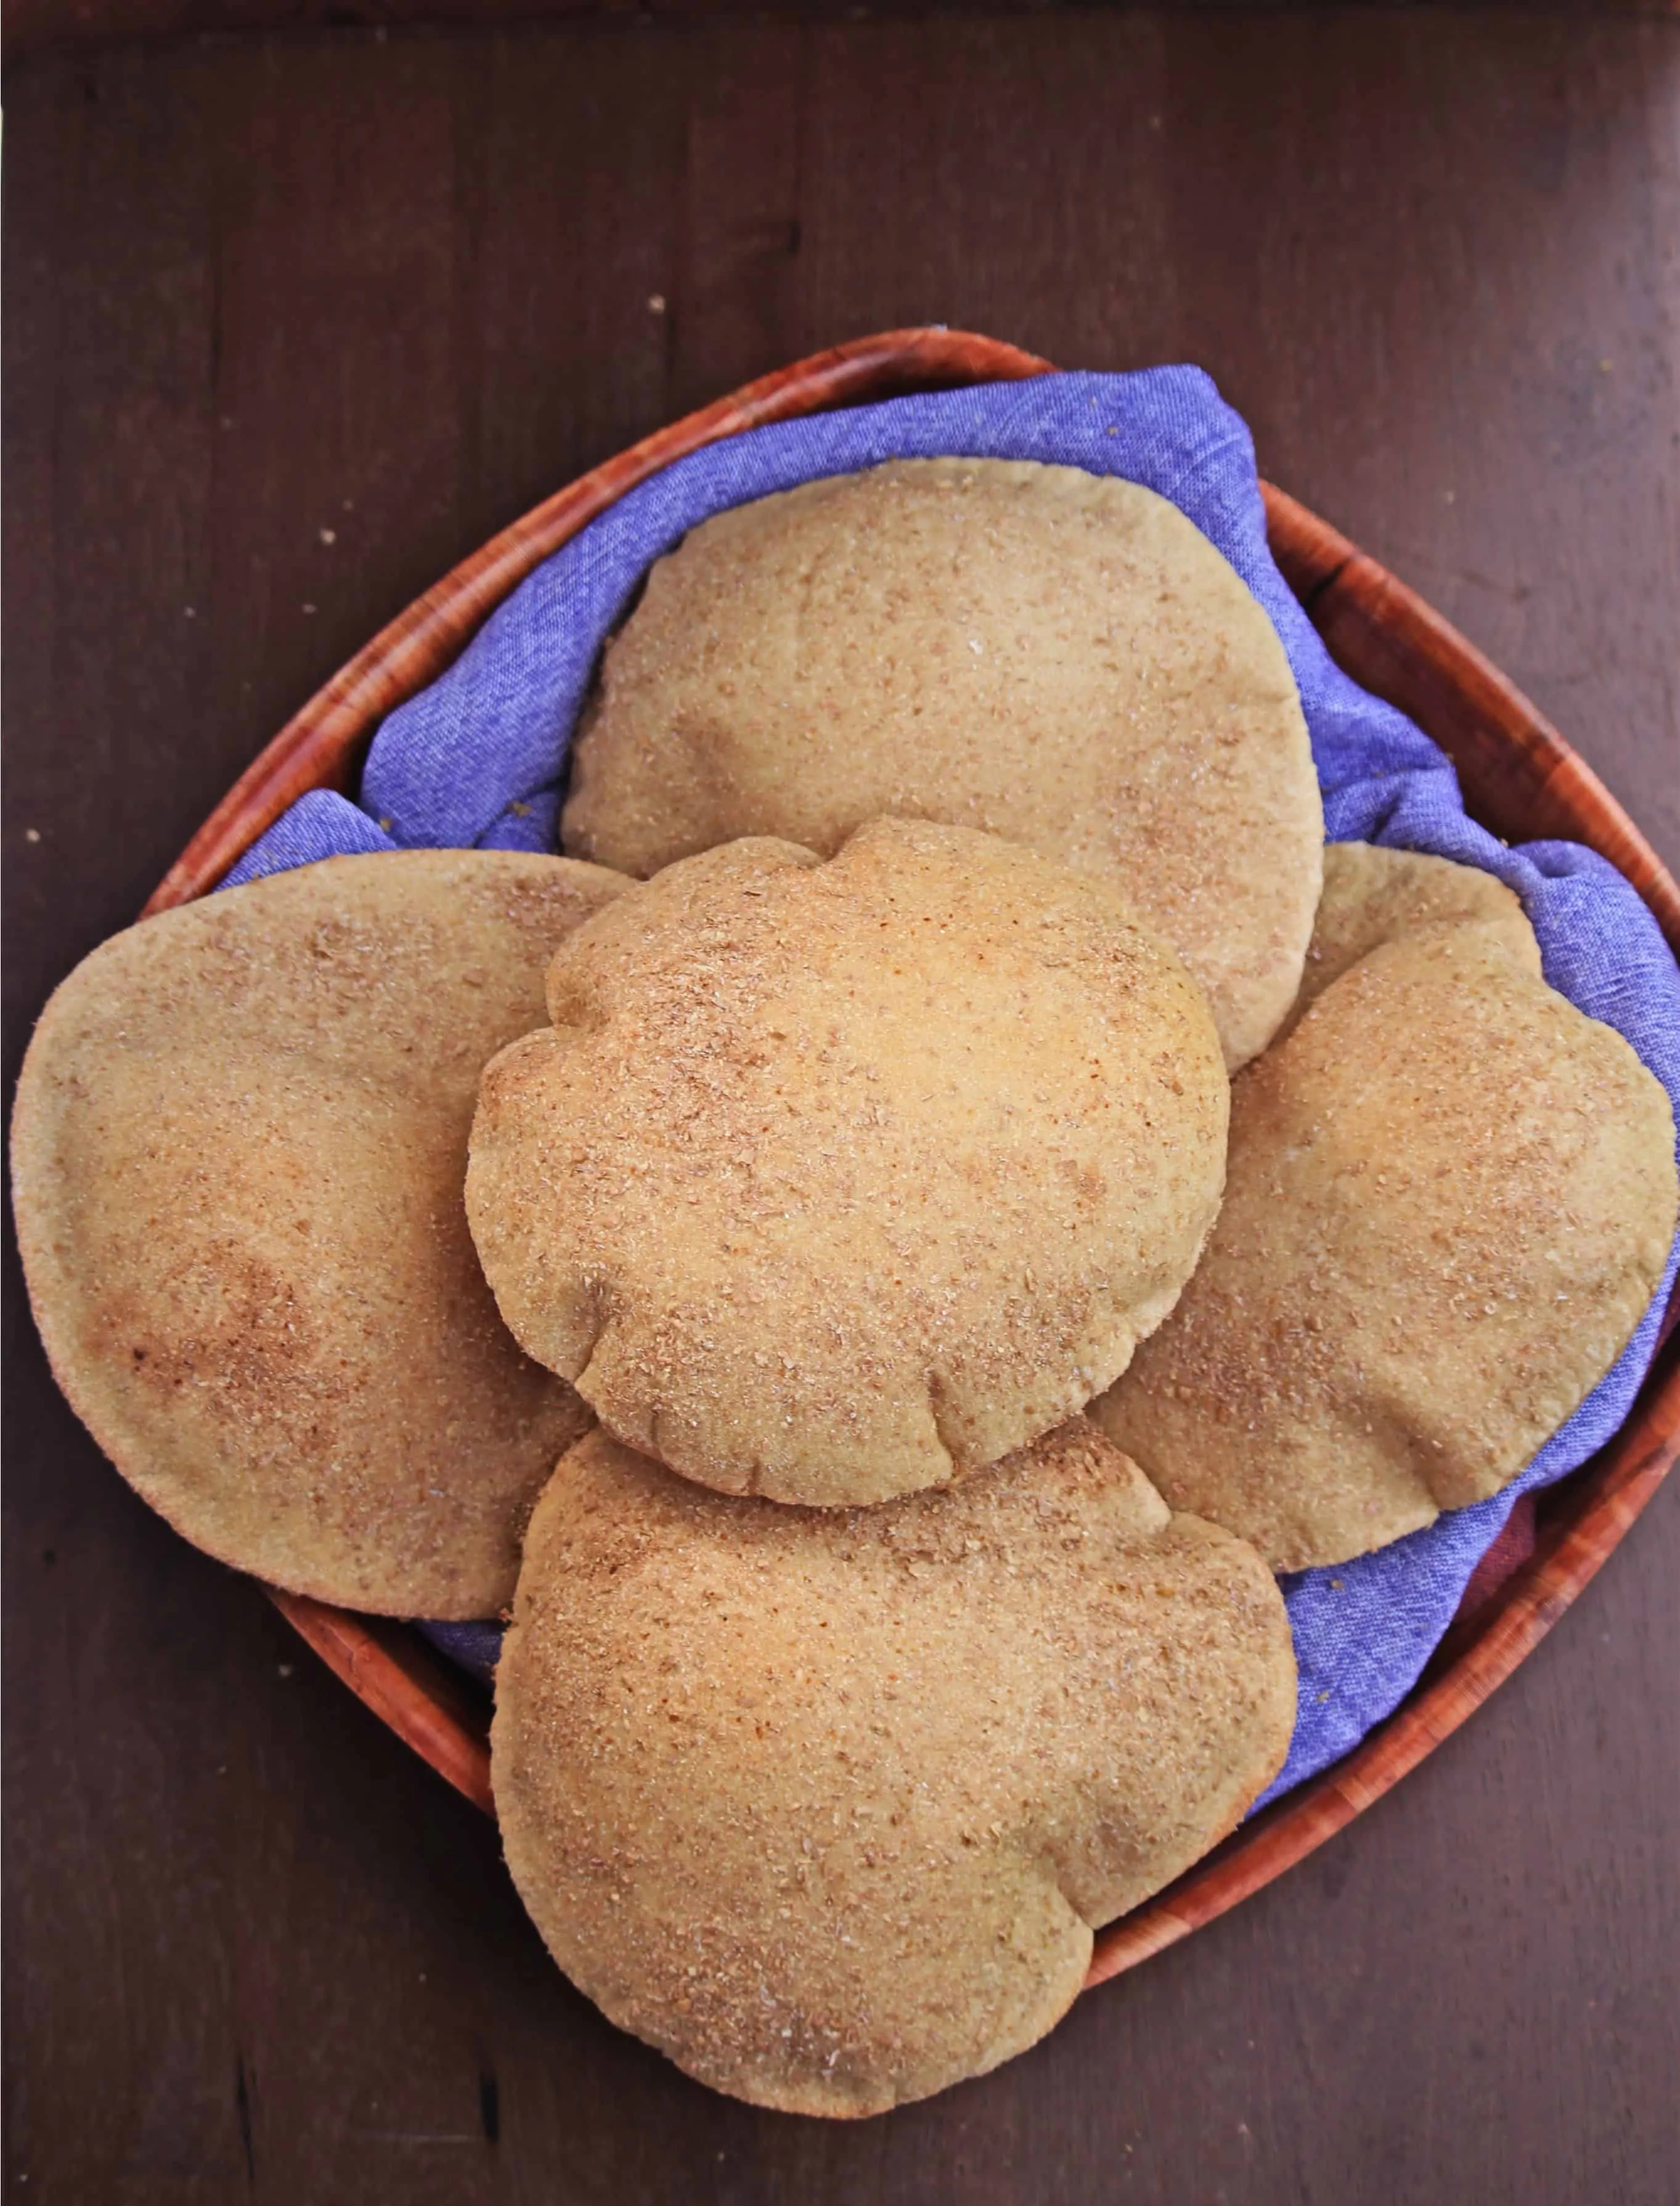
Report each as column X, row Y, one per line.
column 34, row 26
column 396, row 291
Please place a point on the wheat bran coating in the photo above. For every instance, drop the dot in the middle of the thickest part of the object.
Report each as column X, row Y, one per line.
column 1373, row 895
column 834, row 1181
column 826, row 1805
column 237, row 1154
column 1056, row 656
column 1450, row 1200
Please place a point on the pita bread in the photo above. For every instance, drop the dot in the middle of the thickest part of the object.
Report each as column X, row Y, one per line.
column 1373, row 895
column 1059, row 657
column 237, row 1153
column 1450, row 1200
column 833, row 1181
column 825, row 1804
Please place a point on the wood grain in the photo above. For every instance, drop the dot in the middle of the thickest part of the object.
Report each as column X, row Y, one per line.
column 33, row 24
column 1519, row 776
column 260, row 287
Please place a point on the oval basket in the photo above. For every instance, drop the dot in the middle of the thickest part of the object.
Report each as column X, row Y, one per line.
column 1520, row 778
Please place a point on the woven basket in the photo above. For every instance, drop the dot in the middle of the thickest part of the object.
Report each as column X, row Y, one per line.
column 1519, row 778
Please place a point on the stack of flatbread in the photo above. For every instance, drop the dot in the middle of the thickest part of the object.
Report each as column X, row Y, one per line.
column 877, row 1257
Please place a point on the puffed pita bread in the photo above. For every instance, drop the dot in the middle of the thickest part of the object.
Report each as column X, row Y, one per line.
column 826, row 1805
column 1372, row 894
column 1060, row 658
column 237, row 1151
column 1450, row 1200
column 831, row 1181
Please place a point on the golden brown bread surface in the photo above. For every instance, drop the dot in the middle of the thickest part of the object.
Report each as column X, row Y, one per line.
column 1371, row 895
column 1053, row 656
column 1449, row 1199
column 237, row 1151
column 834, row 1181
column 825, row 1804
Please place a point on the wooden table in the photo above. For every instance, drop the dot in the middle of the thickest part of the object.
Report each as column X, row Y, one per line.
column 294, row 319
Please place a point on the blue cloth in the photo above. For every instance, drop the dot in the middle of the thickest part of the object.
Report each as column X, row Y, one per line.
column 480, row 759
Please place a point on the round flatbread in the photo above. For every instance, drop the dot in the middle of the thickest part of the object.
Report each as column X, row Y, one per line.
column 1450, row 1200
column 833, row 1181
column 237, row 1154
column 826, row 1805
column 1060, row 658
column 1371, row 895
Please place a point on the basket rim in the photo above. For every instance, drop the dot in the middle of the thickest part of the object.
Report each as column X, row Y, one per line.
column 1517, row 772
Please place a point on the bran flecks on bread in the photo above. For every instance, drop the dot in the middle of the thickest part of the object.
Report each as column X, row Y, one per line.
column 1372, row 894
column 1056, row 656
column 831, row 1181
column 1450, row 1200
column 238, row 1151
column 825, row 1804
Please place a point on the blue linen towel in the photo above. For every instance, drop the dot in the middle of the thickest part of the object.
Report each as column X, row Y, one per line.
column 478, row 759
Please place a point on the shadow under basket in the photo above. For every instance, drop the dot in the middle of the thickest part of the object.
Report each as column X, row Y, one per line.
column 1519, row 779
